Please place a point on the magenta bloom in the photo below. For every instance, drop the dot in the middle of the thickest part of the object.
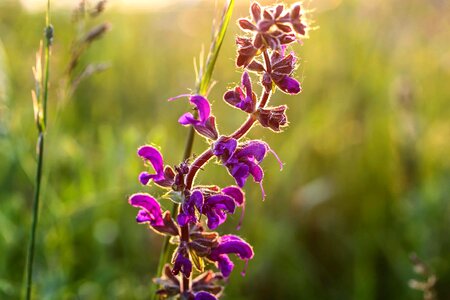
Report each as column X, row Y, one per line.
column 237, row 98
column 216, row 207
column 281, row 73
column 271, row 26
column 150, row 209
column 205, row 123
column 187, row 213
column 273, row 117
column 243, row 161
column 212, row 202
column 224, row 148
column 282, row 68
column 230, row 244
column 296, row 19
column 150, row 213
column 246, row 51
column 182, row 263
column 162, row 177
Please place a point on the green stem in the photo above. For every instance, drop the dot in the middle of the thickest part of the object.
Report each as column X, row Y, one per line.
column 40, row 156
column 30, row 258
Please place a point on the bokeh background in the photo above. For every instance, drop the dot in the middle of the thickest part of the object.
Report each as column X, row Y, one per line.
column 367, row 167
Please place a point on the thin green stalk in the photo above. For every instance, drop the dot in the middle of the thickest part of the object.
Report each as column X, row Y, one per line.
column 30, row 259
column 41, row 126
column 203, row 83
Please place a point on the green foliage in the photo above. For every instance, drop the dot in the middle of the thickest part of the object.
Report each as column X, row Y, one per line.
column 366, row 159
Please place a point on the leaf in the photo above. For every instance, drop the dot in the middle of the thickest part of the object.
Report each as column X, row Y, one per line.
column 175, row 197
column 199, row 262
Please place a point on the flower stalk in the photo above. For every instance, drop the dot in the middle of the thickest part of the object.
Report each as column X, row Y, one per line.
column 40, row 97
column 203, row 83
column 263, row 51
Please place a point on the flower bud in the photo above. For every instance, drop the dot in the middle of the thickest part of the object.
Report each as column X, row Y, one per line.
column 273, row 117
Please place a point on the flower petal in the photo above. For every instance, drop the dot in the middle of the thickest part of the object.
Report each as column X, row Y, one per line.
column 225, row 148
column 257, row 173
column 151, row 210
column 229, row 244
column 223, row 202
column 197, row 199
column 247, row 84
column 208, row 128
column 233, row 244
column 182, row 264
column 214, row 219
column 143, row 216
column 145, row 177
column 255, row 11
column 151, row 154
column 236, row 193
column 203, row 106
column 289, row 85
column 187, row 119
column 257, row 149
column 240, row 172
column 183, row 219
column 204, row 296
column 225, row 265
column 245, row 24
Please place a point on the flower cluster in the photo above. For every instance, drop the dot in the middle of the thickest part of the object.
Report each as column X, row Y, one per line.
column 201, row 209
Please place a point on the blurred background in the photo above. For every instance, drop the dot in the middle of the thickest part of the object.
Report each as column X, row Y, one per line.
column 367, row 167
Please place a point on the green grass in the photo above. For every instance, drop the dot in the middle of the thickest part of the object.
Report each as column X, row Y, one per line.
column 366, row 171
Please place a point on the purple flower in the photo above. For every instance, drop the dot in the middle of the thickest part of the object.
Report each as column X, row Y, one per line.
column 216, row 208
column 282, row 67
column 212, row 202
column 230, row 244
column 236, row 193
column 271, row 26
column 162, row 177
column 187, row 213
column 237, row 98
column 273, row 117
column 204, row 296
column 245, row 160
column 224, row 147
column 150, row 210
column 182, row 263
column 239, row 197
column 246, row 51
column 205, row 123
column 296, row 21
column 150, row 213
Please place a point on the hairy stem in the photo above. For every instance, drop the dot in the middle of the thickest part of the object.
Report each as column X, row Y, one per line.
column 39, row 155
column 186, row 283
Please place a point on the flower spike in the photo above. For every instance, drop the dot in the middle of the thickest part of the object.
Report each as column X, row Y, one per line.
column 263, row 50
